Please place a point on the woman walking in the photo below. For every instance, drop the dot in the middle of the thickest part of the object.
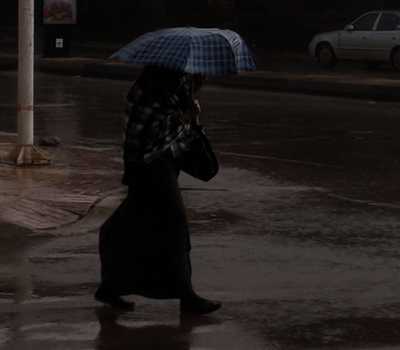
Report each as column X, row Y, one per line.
column 145, row 245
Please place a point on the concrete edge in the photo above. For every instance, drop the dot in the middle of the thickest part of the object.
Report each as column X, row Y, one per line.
column 99, row 211
column 379, row 92
column 99, row 68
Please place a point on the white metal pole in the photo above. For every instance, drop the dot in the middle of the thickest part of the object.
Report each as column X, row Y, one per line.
column 25, row 153
column 25, row 72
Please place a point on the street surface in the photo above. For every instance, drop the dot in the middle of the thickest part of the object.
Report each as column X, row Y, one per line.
column 297, row 235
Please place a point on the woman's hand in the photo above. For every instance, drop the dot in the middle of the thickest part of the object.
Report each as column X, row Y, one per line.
column 195, row 119
column 196, row 107
column 193, row 115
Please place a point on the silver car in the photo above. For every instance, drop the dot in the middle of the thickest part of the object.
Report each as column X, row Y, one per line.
column 373, row 37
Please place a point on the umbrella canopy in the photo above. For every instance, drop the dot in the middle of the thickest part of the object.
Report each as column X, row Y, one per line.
column 208, row 51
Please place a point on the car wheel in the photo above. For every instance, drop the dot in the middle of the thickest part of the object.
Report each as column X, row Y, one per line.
column 326, row 57
column 396, row 59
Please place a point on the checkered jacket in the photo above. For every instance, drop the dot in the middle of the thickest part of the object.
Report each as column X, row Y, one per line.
column 152, row 128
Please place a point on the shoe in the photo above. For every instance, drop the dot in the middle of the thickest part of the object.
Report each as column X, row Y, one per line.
column 113, row 300
column 199, row 306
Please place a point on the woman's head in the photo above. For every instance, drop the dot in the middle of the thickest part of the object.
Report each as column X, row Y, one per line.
column 158, row 79
column 158, row 84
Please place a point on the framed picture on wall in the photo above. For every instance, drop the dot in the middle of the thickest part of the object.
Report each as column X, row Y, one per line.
column 59, row 11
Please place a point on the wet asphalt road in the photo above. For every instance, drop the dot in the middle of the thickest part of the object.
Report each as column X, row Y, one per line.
column 298, row 235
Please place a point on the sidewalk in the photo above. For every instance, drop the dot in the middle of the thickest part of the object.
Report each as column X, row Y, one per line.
column 46, row 198
column 283, row 72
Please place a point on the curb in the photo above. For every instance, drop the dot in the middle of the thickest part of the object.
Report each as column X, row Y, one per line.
column 371, row 89
column 58, row 196
column 347, row 89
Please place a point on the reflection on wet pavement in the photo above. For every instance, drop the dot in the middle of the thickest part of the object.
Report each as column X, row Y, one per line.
column 104, row 328
column 287, row 279
column 342, row 331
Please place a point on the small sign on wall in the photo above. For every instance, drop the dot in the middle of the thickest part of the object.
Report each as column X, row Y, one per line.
column 59, row 11
column 59, row 43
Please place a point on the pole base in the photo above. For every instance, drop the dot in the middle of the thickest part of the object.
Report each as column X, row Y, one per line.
column 25, row 155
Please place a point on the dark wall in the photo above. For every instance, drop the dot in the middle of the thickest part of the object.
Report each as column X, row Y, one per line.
column 8, row 12
column 274, row 23
column 125, row 18
column 292, row 23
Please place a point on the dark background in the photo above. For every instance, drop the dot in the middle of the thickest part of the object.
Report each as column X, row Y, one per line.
column 265, row 24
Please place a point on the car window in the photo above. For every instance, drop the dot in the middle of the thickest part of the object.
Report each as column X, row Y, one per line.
column 366, row 22
column 388, row 21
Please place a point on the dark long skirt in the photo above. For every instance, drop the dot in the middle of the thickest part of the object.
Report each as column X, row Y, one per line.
column 144, row 246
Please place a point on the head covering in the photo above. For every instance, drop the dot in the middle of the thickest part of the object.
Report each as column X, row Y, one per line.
column 154, row 124
column 161, row 85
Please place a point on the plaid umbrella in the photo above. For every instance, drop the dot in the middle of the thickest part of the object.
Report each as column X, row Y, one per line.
column 212, row 52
